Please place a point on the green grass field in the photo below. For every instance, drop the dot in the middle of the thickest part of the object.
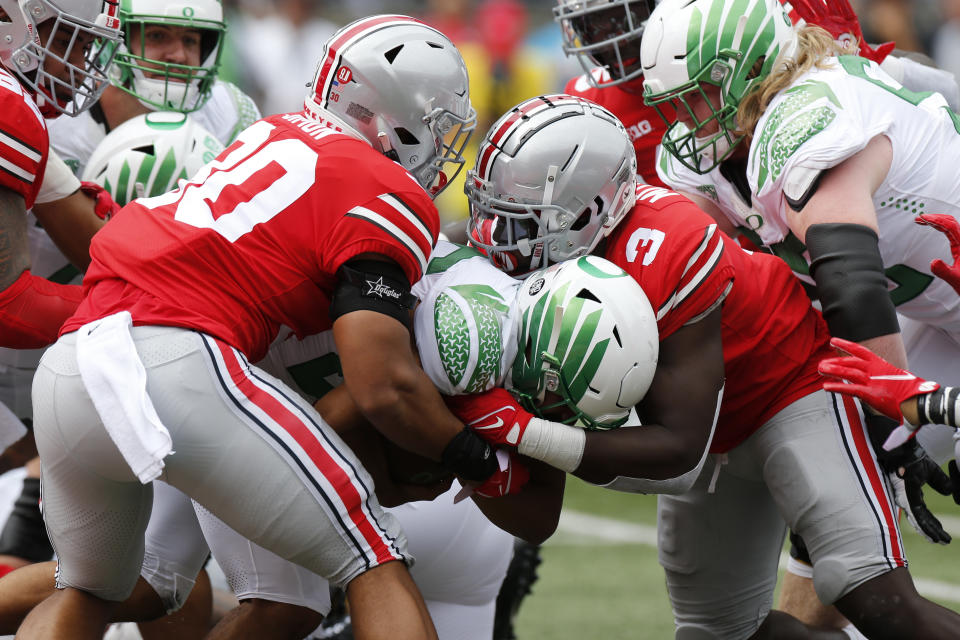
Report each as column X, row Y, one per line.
column 607, row 585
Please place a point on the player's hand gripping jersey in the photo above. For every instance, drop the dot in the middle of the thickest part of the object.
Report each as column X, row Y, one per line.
column 255, row 239
column 772, row 337
column 823, row 118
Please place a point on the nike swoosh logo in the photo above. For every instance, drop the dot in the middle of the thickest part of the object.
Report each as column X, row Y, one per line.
column 495, row 425
column 905, row 376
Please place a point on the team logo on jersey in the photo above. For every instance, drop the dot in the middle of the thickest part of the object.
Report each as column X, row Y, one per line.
column 535, row 286
column 381, row 290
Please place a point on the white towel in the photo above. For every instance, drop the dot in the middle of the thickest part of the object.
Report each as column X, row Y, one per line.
column 11, row 428
column 113, row 375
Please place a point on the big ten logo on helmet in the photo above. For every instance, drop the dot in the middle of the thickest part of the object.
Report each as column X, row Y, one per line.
column 639, row 129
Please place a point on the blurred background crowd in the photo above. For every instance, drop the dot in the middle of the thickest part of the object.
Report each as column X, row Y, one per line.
column 511, row 47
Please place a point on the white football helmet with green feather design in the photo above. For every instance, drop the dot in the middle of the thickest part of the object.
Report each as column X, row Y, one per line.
column 731, row 44
column 588, row 334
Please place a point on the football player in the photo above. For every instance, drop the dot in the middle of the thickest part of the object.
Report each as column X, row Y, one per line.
column 168, row 62
column 311, row 220
column 52, row 63
column 550, row 184
column 54, row 59
column 605, row 35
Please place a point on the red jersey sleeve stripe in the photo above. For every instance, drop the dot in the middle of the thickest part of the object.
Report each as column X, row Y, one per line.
column 31, row 153
column 378, row 220
column 410, row 214
column 693, row 275
column 17, row 172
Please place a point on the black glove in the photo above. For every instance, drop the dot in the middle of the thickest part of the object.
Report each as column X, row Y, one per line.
column 909, row 468
column 955, row 479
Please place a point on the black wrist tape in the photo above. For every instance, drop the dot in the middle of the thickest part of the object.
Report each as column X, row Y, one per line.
column 940, row 407
column 372, row 285
column 846, row 265
column 469, row 457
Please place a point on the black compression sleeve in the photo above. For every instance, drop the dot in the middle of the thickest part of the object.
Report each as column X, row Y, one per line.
column 372, row 285
column 846, row 265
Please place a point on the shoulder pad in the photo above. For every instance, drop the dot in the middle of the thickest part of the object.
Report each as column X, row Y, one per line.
column 803, row 111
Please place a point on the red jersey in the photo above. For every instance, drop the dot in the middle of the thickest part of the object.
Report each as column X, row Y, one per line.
column 643, row 123
column 24, row 142
column 772, row 337
column 255, row 239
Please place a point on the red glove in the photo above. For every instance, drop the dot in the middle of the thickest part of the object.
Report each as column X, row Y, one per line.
column 872, row 379
column 839, row 18
column 509, row 479
column 948, row 226
column 103, row 203
column 494, row 415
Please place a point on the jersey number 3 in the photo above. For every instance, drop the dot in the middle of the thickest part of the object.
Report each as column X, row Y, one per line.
column 249, row 185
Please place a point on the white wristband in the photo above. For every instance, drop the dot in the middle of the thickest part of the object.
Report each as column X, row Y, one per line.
column 558, row 445
column 58, row 181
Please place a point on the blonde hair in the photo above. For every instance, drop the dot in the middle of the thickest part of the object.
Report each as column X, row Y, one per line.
column 814, row 46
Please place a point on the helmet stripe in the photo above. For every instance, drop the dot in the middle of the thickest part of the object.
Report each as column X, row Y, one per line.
column 513, row 122
column 334, row 49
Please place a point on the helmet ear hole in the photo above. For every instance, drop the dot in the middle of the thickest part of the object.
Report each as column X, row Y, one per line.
column 405, row 136
column 392, row 53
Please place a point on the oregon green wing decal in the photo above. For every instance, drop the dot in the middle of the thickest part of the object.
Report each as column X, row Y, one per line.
column 485, row 306
column 790, row 125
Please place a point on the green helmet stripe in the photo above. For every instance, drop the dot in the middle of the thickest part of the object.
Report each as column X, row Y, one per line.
column 579, row 351
column 579, row 385
column 693, row 43
column 568, row 326
column 123, row 182
column 165, row 172
column 143, row 173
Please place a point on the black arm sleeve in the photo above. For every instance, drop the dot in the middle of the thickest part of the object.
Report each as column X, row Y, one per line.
column 846, row 265
column 372, row 285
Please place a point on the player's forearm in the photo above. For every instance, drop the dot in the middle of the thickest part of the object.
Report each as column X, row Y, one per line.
column 33, row 309
column 533, row 513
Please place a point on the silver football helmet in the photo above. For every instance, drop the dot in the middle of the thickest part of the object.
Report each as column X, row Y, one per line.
column 587, row 335
column 161, row 84
column 60, row 49
column 403, row 86
column 149, row 154
column 554, row 176
column 605, row 34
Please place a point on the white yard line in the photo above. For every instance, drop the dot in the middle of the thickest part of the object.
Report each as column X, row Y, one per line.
column 577, row 528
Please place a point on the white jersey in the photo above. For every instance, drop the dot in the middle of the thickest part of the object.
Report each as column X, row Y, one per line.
column 226, row 113
column 464, row 326
column 823, row 118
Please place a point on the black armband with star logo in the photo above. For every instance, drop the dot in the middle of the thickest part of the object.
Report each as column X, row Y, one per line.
column 372, row 285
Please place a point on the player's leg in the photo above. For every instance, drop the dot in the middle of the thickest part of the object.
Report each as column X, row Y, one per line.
column 95, row 508
column 278, row 599
column 798, row 597
column 462, row 559
column 263, row 461
column 192, row 620
column 719, row 544
column 823, row 474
